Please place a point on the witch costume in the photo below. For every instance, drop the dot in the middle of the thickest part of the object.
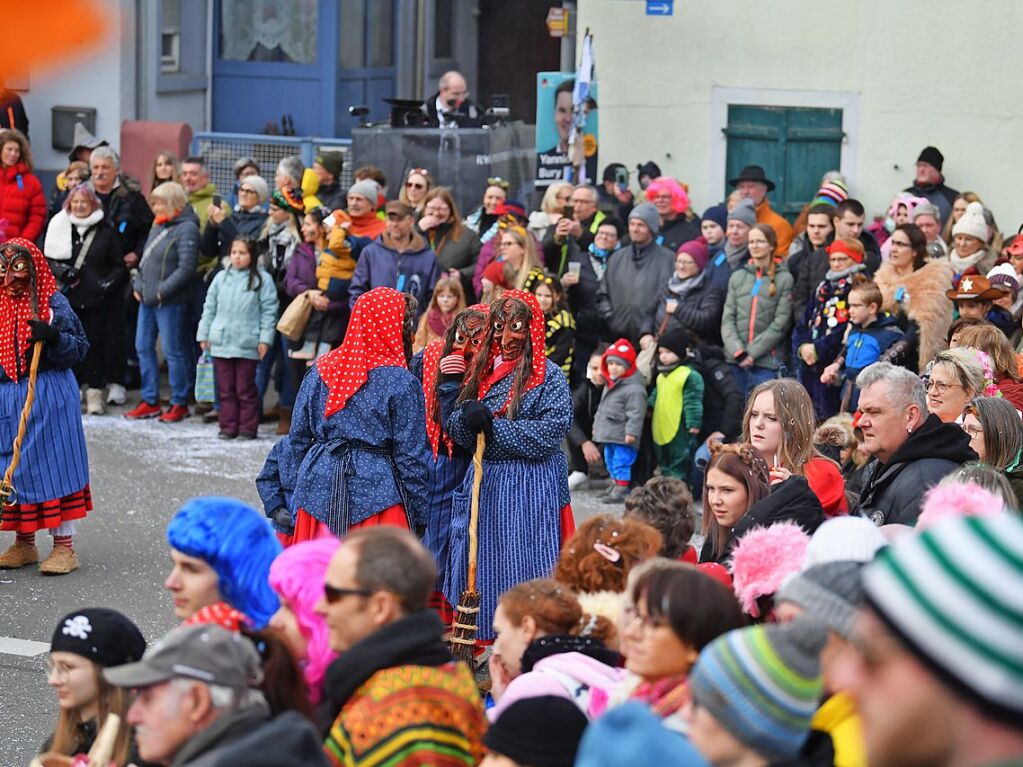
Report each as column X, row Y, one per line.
column 358, row 433
column 442, row 366
column 522, row 404
column 52, row 480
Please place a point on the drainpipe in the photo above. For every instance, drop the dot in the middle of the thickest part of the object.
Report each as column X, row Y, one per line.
column 568, row 41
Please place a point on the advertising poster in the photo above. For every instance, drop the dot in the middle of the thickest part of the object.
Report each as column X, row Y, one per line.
column 554, row 114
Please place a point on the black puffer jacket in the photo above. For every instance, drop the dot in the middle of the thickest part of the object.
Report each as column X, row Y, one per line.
column 789, row 501
column 893, row 492
column 680, row 230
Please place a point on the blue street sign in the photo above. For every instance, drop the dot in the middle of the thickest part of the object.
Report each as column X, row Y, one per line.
column 660, row 7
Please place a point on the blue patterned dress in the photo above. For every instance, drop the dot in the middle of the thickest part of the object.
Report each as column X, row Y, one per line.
column 525, row 488
column 54, row 461
column 363, row 459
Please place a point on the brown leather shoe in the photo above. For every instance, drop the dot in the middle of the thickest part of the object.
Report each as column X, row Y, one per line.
column 19, row 555
column 61, row 561
column 284, row 421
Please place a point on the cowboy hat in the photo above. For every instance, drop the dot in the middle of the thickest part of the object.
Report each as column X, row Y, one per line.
column 975, row 287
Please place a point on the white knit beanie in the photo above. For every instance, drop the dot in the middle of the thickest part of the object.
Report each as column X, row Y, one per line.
column 844, row 538
column 972, row 223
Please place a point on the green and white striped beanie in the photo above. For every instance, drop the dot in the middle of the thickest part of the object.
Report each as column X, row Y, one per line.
column 954, row 595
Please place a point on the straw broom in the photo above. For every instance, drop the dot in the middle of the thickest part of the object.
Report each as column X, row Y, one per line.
column 464, row 627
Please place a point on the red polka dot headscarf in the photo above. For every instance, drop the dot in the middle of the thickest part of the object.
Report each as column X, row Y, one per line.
column 374, row 339
column 16, row 312
column 538, row 340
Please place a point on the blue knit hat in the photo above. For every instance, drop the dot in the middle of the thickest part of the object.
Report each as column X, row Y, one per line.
column 631, row 734
column 238, row 543
column 954, row 596
column 718, row 214
column 763, row 684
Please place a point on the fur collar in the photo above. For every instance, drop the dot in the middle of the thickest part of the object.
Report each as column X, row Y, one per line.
column 923, row 301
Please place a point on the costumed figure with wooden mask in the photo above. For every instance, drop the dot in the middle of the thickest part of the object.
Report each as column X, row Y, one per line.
column 521, row 403
column 51, row 479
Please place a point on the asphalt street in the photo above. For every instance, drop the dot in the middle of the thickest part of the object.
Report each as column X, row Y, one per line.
column 141, row 473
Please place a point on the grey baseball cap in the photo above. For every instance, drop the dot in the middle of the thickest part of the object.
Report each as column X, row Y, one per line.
column 204, row 652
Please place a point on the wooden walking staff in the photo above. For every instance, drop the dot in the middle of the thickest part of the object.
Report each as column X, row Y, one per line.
column 465, row 625
column 8, row 493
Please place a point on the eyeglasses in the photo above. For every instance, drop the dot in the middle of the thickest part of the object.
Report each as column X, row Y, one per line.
column 59, row 670
column 246, row 190
column 334, row 594
column 684, row 262
column 939, row 387
column 900, row 243
column 414, row 185
column 647, row 624
column 973, row 431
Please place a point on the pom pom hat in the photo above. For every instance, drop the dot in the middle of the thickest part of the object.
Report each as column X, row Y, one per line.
column 954, row 596
column 763, row 558
column 973, row 223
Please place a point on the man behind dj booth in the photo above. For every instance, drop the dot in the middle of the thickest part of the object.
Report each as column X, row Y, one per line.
column 451, row 106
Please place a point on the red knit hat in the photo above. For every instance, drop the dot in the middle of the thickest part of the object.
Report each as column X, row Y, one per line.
column 841, row 246
column 697, row 249
column 623, row 350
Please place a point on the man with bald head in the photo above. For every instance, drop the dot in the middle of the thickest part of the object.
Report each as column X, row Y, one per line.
column 450, row 106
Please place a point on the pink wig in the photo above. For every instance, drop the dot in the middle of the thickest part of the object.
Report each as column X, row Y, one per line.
column 297, row 576
column 957, row 499
column 763, row 558
column 909, row 200
column 679, row 196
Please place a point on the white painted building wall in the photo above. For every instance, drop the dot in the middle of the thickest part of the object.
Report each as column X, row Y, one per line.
column 908, row 74
column 117, row 78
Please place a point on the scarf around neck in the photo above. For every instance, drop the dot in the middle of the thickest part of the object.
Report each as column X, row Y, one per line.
column 680, row 288
column 59, row 234
column 960, row 263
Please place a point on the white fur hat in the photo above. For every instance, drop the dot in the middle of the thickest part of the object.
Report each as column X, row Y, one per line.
column 972, row 223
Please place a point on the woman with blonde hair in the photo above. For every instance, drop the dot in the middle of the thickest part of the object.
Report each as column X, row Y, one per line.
column 84, row 643
column 519, row 267
column 956, row 377
column 552, row 208
column 417, row 185
column 779, row 422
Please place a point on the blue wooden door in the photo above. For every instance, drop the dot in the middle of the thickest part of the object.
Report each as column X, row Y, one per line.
column 367, row 55
column 307, row 59
column 794, row 145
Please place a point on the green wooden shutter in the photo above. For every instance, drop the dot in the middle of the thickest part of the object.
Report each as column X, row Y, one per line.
column 794, row 145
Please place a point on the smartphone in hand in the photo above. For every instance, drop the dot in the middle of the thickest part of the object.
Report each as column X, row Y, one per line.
column 217, row 200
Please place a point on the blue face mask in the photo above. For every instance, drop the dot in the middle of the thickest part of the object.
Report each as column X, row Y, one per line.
column 598, row 252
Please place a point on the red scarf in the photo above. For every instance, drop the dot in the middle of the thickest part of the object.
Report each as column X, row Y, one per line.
column 373, row 340
column 367, row 225
column 538, row 338
column 438, row 322
column 16, row 312
column 434, row 432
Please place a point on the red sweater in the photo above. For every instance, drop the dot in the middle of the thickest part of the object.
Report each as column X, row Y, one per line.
column 22, row 203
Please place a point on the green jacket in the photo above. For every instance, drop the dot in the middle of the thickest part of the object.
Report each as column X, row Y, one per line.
column 763, row 339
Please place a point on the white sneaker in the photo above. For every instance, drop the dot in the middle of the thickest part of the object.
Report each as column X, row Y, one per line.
column 94, row 401
column 576, row 478
column 116, row 395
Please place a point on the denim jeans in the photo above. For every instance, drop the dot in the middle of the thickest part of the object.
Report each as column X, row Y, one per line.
column 747, row 379
column 275, row 366
column 169, row 323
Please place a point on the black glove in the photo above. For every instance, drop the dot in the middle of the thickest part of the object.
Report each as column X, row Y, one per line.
column 282, row 518
column 478, row 418
column 44, row 332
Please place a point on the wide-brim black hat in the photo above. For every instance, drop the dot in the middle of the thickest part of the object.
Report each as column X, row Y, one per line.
column 752, row 173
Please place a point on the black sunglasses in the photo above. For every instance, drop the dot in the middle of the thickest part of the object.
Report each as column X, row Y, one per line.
column 333, row 594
